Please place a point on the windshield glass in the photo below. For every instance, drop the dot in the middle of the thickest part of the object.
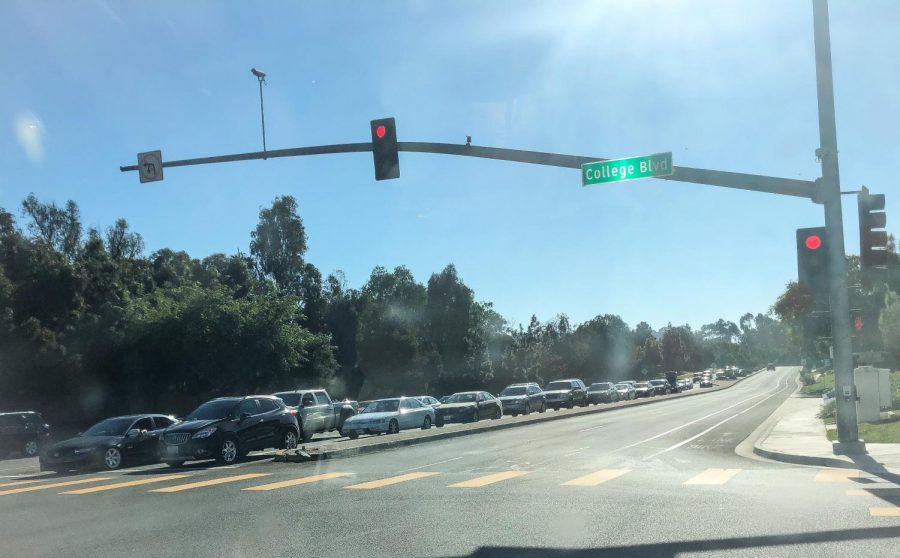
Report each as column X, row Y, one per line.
column 461, row 398
column 109, row 427
column 518, row 390
column 599, row 387
column 622, row 386
column 212, row 410
column 290, row 399
column 383, row 406
column 558, row 385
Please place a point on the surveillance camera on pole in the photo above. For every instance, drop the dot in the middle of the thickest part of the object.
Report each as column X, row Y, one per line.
column 261, row 77
column 258, row 73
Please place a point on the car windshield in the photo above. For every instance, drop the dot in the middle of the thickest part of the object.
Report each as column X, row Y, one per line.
column 290, row 399
column 109, row 427
column 213, row 410
column 462, row 398
column 642, row 385
column 599, row 387
column 623, row 386
column 516, row 390
column 558, row 385
column 383, row 406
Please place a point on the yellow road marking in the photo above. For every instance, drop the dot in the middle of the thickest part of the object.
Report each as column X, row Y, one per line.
column 211, row 482
column 390, row 480
column 52, row 485
column 884, row 512
column 116, row 485
column 488, row 479
column 836, row 475
column 20, row 482
column 295, row 482
column 598, row 477
column 874, row 491
column 714, row 476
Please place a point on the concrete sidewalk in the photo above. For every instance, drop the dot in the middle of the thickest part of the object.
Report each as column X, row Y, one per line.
column 797, row 435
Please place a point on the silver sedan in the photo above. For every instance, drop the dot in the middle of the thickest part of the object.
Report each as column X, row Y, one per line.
column 389, row 416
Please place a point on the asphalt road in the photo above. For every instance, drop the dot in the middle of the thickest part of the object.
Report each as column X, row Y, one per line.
column 654, row 480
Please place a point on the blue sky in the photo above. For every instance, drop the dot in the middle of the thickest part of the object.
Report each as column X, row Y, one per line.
column 723, row 85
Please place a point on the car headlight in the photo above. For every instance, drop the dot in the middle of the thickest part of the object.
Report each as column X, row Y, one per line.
column 83, row 450
column 205, row 433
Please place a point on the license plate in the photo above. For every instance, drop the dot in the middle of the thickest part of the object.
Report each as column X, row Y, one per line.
column 172, row 450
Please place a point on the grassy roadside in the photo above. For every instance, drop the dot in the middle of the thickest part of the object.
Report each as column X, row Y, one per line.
column 882, row 432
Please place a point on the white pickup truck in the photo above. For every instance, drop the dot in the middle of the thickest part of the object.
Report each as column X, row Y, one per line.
column 316, row 412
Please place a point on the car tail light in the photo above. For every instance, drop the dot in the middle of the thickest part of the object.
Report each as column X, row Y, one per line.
column 292, row 411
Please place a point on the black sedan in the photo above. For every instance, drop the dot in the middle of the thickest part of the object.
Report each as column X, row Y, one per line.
column 109, row 444
column 602, row 392
column 227, row 428
column 468, row 406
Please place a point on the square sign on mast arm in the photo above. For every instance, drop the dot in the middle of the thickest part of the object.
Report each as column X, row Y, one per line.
column 631, row 168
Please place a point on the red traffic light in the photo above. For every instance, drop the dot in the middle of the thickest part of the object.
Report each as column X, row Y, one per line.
column 858, row 324
column 380, row 131
column 813, row 242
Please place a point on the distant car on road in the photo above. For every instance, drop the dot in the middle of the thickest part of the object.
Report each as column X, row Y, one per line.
column 644, row 389
column 522, row 399
column 565, row 393
column 626, row 391
column 468, row 406
column 770, row 366
column 316, row 412
column 24, row 432
column 661, row 387
column 706, row 381
column 109, row 444
column 227, row 428
column 602, row 392
column 429, row 400
column 390, row 416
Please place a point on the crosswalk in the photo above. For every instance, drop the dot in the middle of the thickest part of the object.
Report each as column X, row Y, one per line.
column 874, row 489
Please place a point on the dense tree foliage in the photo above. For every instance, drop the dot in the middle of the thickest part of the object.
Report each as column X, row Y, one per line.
column 91, row 326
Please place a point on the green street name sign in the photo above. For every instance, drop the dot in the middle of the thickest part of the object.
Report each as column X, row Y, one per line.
column 632, row 168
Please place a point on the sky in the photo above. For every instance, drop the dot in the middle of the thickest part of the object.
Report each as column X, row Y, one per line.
column 722, row 85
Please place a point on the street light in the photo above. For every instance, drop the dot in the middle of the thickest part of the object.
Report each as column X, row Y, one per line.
column 261, row 78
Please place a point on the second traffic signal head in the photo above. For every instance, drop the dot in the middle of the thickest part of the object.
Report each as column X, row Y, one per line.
column 812, row 265
column 872, row 243
column 384, row 149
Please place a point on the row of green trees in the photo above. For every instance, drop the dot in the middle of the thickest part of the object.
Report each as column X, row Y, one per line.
column 90, row 326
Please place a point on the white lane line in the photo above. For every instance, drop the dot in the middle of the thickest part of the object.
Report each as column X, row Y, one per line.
column 430, row 464
column 591, row 428
column 710, row 429
column 661, row 434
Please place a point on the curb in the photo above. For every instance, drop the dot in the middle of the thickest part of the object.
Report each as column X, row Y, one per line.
column 809, row 460
column 326, row 452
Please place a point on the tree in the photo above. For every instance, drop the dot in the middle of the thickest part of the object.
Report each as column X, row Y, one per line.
column 58, row 227
column 122, row 243
column 278, row 243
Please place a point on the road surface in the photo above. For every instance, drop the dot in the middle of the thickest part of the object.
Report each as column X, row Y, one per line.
column 654, row 480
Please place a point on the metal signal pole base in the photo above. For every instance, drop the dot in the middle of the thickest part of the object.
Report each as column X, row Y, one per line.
column 849, row 448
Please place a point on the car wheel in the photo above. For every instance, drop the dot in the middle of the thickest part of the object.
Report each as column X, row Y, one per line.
column 30, row 448
column 174, row 463
column 498, row 414
column 393, row 427
column 570, row 404
column 112, row 458
column 439, row 422
column 353, row 435
column 289, row 439
column 475, row 417
column 543, row 407
column 426, row 424
column 527, row 409
column 228, row 452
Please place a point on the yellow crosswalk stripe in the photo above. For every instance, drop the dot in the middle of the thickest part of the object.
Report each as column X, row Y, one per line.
column 295, row 482
column 488, row 479
column 714, row 476
column 51, row 485
column 836, row 475
column 597, row 477
column 21, row 482
column 390, row 480
column 114, row 486
column 874, row 491
column 211, row 482
column 884, row 512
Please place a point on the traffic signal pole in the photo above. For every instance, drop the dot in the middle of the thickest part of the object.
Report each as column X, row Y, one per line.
column 830, row 194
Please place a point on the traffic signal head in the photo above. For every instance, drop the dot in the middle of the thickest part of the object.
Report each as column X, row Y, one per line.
column 812, row 265
column 872, row 243
column 384, row 149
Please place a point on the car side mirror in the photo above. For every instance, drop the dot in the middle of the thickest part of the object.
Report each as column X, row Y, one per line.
column 134, row 433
